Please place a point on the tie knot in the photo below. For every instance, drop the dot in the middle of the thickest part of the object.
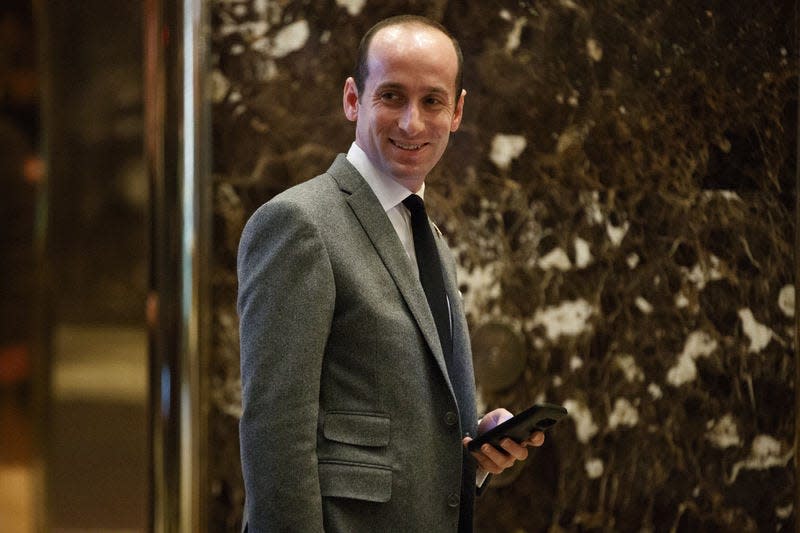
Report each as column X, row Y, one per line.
column 415, row 204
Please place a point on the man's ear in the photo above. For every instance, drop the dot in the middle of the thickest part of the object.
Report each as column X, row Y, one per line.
column 458, row 114
column 350, row 99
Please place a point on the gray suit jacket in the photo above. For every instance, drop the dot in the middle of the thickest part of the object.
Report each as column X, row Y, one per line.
column 350, row 421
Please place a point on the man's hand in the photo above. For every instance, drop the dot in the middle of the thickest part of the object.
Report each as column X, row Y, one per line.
column 493, row 460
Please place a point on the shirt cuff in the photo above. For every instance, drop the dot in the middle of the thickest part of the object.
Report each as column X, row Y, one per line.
column 480, row 477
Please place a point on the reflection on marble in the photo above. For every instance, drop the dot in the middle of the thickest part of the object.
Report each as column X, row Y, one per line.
column 621, row 197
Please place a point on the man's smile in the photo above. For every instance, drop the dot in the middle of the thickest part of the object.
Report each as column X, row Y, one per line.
column 407, row 146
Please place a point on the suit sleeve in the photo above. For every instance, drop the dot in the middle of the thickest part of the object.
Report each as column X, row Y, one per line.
column 285, row 304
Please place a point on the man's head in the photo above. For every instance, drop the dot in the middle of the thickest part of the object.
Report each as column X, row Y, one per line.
column 409, row 98
column 362, row 68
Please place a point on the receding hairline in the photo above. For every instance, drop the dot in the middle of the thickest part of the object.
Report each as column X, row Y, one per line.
column 384, row 31
column 408, row 21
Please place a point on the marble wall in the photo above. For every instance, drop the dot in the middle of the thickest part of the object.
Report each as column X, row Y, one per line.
column 621, row 197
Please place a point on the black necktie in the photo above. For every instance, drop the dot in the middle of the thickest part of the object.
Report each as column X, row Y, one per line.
column 430, row 271
column 432, row 278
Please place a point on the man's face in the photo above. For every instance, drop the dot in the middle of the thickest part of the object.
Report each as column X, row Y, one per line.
column 409, row 107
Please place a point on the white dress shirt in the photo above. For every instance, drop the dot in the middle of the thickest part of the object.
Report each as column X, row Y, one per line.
column 390, row 194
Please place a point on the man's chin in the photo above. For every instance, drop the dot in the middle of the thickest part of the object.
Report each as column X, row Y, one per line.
column 409, row 177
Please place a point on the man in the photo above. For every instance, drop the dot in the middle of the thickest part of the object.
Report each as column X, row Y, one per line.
column 358, row 391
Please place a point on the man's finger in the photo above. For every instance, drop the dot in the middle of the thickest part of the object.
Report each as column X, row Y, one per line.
column 537, row 439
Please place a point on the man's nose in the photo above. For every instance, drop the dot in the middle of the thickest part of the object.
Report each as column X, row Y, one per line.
column 410, row 120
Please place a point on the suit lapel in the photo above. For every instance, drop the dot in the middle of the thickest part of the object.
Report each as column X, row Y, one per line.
column 376, row 225
column 463, row 382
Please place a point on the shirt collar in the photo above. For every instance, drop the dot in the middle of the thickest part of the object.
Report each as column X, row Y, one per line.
column 389, row 192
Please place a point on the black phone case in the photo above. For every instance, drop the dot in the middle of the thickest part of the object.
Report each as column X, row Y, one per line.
column 541, row 417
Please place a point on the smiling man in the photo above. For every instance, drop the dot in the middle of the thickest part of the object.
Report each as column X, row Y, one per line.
column 357, row 384
column 406, row 100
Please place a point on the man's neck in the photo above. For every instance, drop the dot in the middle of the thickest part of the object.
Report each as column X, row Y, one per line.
column 362, row 161
column 389, row 185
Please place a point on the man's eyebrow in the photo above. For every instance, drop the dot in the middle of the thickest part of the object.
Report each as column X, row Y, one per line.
column 400, row 87
column 389, row 85
column 438, row 90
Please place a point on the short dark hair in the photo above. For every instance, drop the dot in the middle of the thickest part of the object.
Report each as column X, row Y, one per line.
column 362, row 69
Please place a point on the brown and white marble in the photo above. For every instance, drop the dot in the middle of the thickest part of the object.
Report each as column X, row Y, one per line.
column 622, row 200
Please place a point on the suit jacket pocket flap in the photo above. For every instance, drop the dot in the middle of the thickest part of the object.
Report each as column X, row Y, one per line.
column 357, row 481
column 361, row 429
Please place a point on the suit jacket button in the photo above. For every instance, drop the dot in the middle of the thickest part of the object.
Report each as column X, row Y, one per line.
column 451, row 418
column 452, row 500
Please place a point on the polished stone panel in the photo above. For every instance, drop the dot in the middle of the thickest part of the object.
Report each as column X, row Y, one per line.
column 621, row 196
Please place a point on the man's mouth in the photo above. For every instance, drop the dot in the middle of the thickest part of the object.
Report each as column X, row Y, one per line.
column 406, row 146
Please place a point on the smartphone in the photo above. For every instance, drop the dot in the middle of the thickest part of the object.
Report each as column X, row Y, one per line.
column 540, row 417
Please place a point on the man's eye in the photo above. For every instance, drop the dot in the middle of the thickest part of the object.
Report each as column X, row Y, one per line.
column 389, row 96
